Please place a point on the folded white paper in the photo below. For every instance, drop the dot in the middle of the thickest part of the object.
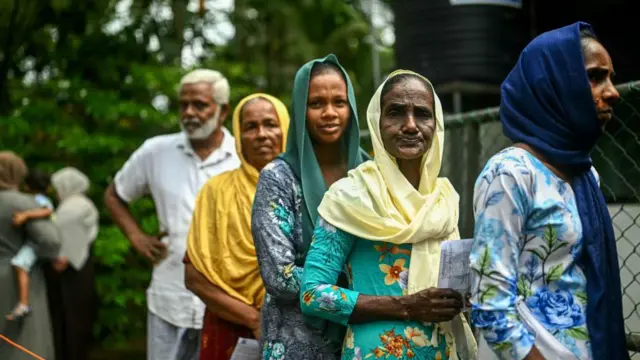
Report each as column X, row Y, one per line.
column 455, row 272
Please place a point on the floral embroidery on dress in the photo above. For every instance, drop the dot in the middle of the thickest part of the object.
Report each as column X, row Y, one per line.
column 282, row 216
column 308, row 297
column 411, row 344
column 416, row 335
column 349, row 339
column 286, row 277
column 390, row 249
column 327, row 301
column 349, row 350
column 273, row 351
column 393, row 272
column 396, row 272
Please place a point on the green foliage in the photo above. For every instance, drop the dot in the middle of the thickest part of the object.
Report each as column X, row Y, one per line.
column 74, row 94
column 123, row 277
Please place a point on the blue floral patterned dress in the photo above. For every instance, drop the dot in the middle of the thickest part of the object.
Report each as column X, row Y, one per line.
column 373, row 268
column 277, row 233
column 528, row 241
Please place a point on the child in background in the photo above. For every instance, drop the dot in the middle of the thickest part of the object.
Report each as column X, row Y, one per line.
column 36, row 183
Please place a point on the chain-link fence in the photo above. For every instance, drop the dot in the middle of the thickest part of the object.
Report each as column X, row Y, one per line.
column 473, row 137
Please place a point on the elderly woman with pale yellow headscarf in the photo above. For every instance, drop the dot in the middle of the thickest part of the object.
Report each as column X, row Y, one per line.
column 384, row 224
column 222, row 268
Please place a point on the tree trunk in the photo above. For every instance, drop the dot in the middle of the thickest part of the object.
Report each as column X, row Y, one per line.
column 5, row 65
column 174, row 51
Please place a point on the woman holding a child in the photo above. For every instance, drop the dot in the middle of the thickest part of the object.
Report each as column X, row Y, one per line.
column 29, row 233
column 32, row 332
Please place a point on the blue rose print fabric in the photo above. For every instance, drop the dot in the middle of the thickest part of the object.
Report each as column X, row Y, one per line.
column 528, row 241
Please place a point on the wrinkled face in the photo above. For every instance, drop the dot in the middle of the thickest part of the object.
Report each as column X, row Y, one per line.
column 407, row 121
column 261, row 133
column 600, row 70
column 199, row 114
column 328, row 109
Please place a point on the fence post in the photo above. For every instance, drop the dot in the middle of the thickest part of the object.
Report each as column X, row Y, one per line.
column 471, row 168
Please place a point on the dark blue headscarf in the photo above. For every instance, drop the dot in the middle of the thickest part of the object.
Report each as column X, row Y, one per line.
column 546, row 102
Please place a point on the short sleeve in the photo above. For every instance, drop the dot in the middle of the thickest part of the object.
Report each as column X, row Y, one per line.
column 131, row 182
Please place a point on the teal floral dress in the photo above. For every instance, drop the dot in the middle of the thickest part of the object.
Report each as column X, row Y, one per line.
column 373, row 268
column 528, row 241
column 277, row 233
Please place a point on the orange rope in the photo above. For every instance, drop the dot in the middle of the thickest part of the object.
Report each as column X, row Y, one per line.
column 20, row 347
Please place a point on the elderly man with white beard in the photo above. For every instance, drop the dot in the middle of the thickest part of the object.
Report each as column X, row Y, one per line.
column 172, row 169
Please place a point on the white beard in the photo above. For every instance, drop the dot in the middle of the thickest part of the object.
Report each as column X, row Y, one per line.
column 204, row 130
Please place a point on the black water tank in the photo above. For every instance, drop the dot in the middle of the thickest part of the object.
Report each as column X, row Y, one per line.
column 468, row 43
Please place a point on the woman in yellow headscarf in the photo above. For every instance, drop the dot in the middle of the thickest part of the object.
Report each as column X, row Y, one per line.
column 385, row 223
column 222, row 268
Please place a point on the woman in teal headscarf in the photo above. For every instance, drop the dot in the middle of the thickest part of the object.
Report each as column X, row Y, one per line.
column 323, row 144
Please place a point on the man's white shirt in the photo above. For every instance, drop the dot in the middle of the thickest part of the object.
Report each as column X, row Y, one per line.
column 167, row 168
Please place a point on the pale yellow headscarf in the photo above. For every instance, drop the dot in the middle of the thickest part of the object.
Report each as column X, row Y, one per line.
column 220, row 244
column 376, row 202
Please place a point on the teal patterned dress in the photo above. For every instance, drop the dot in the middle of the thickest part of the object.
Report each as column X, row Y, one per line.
column 277, row 233
column 373, row 268
column 528, row 241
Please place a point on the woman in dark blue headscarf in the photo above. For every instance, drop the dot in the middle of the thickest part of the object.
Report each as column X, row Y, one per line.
column 546, row 276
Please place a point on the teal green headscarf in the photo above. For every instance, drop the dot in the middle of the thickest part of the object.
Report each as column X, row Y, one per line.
column 300, row 154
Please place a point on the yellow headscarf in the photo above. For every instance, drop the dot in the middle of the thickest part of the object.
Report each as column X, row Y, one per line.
column 220, row 244
column 376, row 202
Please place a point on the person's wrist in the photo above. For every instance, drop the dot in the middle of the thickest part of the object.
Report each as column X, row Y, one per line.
column 135, row 235
column 404, row 306
column 254, row 321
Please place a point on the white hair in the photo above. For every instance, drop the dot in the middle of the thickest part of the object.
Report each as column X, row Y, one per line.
column 218, row 82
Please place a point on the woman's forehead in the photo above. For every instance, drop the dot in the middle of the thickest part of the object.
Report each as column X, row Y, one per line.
column 325, row 81
column 409, row 90
column 595, row 53
column 257, row 106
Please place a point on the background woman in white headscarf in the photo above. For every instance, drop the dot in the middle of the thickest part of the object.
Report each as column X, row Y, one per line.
column 71, row 283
